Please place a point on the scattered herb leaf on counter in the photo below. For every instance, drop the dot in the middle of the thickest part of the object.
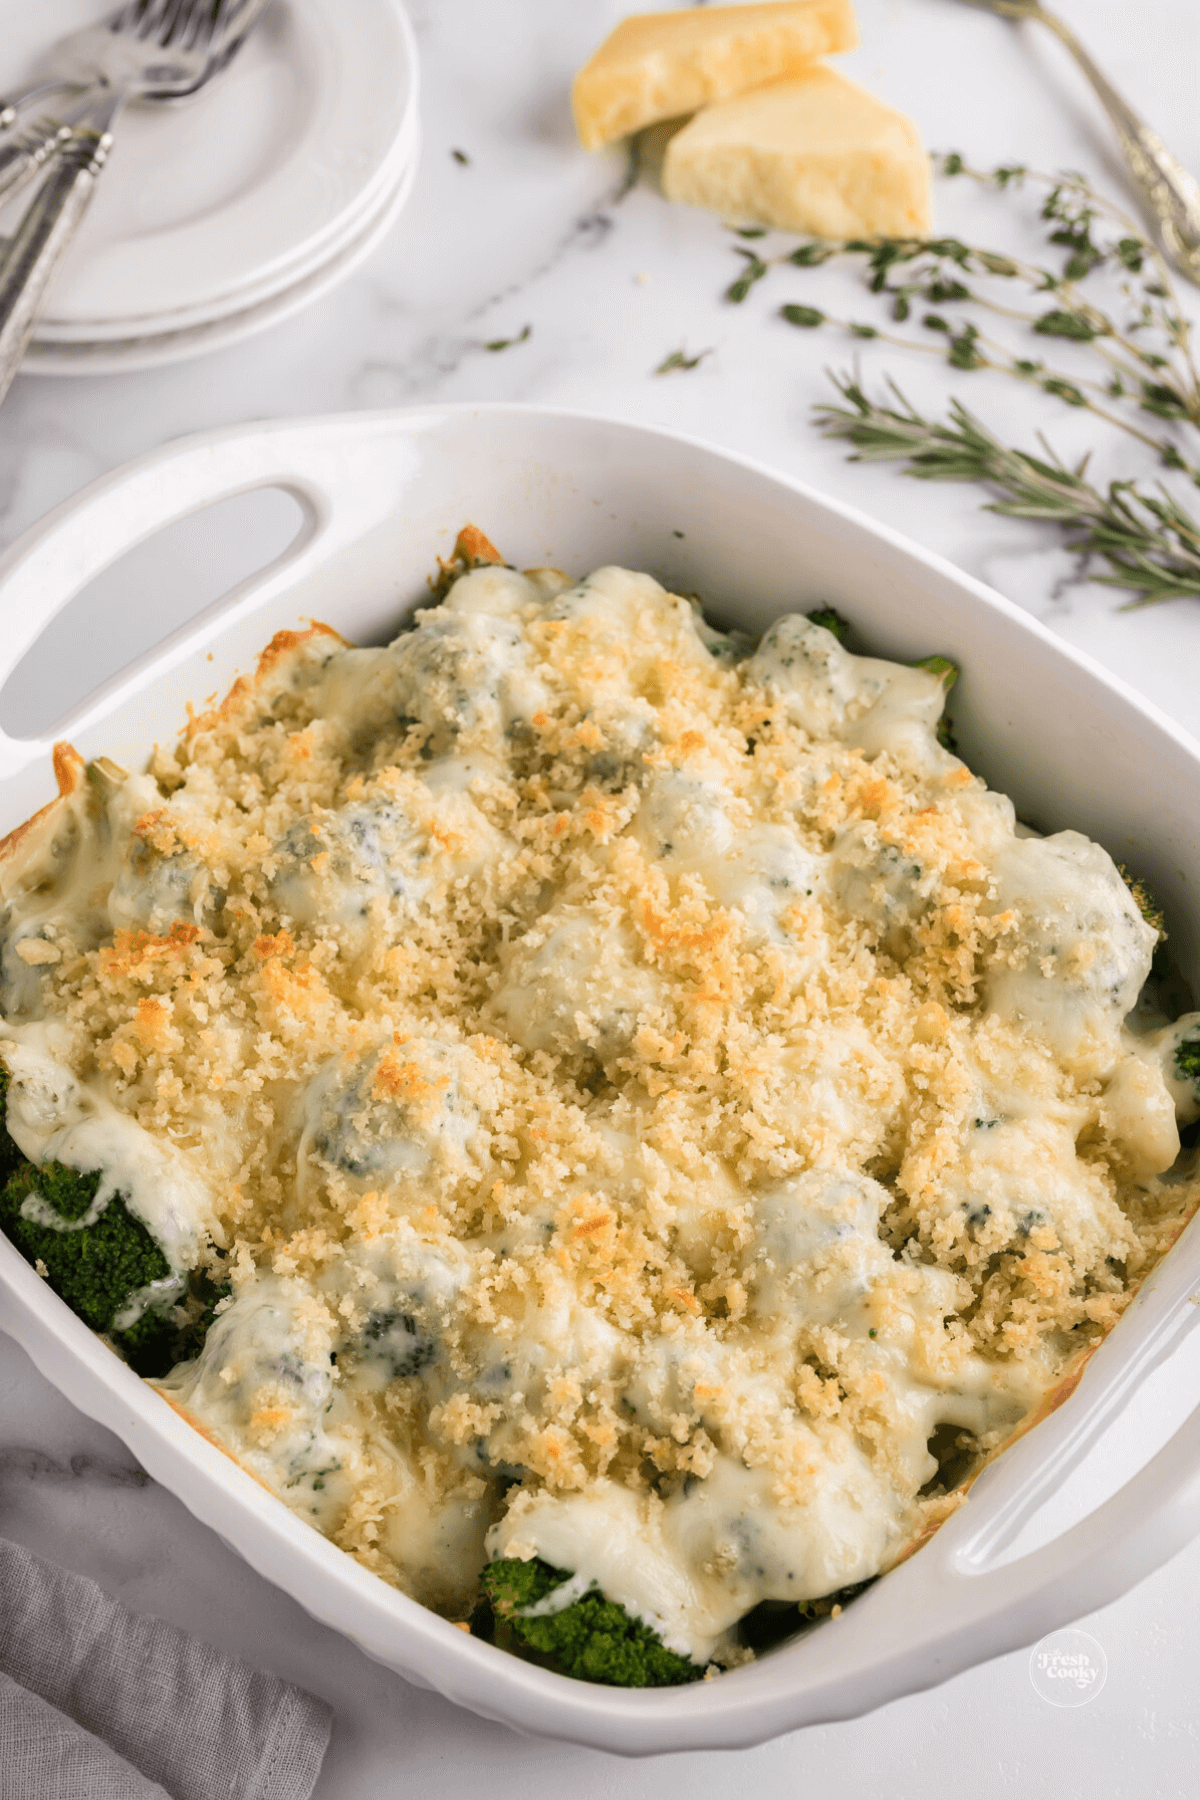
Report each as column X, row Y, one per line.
column 679, row 359
column 753, row 272
column 508, row 343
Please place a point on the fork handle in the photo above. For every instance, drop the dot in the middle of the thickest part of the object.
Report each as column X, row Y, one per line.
column 36, row 248
column 24, row 152
column 1172, row 193
column 13, row 105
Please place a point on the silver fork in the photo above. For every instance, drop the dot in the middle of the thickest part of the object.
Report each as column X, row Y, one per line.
column 148, row 49
column 1172, row 193
column 28, row 145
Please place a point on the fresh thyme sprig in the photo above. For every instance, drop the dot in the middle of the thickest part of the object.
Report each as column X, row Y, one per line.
column 1145, row 357
column 1148, row 541
column 964, row 346
column 1129, row 324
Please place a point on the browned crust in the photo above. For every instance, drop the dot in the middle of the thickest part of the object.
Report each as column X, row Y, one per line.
column 69, row 768
column 472, row 550
column 70, row 771
column 283, row 644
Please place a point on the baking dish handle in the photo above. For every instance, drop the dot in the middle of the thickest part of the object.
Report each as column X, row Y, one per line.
column 1139, row 1528
column 332, row 467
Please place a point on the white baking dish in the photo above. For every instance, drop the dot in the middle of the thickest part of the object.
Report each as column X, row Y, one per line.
column 381, row 495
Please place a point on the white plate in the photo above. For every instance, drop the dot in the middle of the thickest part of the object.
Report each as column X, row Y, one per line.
column 249, row 186
column 116, row 356
column 279, row 280
column 382, row 495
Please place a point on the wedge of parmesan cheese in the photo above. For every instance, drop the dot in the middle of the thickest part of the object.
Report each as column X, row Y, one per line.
column 659, row 65
column 815, row 153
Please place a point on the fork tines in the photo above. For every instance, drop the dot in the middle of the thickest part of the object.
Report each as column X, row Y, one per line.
column 183, row 24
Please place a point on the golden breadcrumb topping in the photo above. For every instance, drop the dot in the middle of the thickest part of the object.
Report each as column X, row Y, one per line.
column 653, row 1105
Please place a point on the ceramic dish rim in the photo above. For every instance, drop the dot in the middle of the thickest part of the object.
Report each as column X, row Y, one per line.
column 1080, row 1569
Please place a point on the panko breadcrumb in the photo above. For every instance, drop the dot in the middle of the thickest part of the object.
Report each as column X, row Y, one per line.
column 654, row 1107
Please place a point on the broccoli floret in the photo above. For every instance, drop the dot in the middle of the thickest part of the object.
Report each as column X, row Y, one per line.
column 592, row 1639
column 1145, row 902
column 830, row 619
column 774, row 1622
column 10, row 1157
column 96, row 1268
column 1187, row 1059
column 948, row 673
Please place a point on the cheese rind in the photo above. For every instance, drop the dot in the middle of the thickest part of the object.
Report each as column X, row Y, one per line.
column 660, row 65
column 816, row 153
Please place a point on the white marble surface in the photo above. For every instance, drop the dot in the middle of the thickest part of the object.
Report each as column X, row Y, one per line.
column 611, row 280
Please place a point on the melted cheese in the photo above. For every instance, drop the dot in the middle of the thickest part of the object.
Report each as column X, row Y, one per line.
column 642, row 1088
column 53, row 1117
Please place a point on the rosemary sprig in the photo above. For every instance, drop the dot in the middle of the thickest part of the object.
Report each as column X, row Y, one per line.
column 1150, row 543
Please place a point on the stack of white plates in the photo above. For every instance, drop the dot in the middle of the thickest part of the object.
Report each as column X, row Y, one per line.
column 220, row 215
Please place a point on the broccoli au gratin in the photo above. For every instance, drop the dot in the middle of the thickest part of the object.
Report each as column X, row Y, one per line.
column 597, row 1100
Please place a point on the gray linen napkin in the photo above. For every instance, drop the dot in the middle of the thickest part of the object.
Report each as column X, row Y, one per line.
column 97, row 1703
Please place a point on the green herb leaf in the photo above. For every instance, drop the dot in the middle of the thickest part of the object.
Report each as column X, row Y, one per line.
column 811, row 256
column 963, row 353
column 1064, row 390
column 807, row 316
column 1066, row 325
column 939, row 291
column 508, row 343
column 679, row 359
column 1163, row 401
column 754, row 271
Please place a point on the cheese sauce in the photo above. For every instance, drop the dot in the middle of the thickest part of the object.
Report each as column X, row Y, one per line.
column 652, row 1105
